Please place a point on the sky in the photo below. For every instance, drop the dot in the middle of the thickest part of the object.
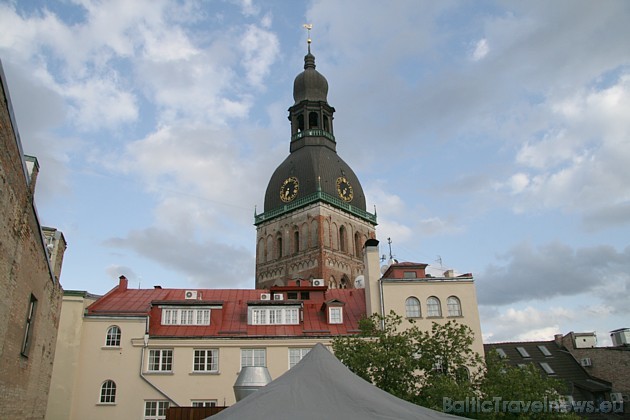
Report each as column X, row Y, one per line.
column 492, row 137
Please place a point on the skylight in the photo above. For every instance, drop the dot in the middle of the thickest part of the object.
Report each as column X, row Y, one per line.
column 522, row 351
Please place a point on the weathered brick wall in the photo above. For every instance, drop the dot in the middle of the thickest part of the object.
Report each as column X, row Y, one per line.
column 24, row 270
column 608, row 363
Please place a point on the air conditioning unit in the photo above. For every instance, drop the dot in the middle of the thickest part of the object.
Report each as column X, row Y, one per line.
column 586, row 361
column 278, row 296
column 190, row 294
column 318, row 282
column 265, row 296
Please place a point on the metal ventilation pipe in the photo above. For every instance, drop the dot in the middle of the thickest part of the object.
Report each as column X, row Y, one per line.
column 250, row 380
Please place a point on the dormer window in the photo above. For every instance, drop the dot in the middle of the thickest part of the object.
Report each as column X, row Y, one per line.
column 335, row 315
column 185, row 316
column 274, row 315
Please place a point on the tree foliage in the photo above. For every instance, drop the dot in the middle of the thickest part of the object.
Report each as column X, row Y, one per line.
column 424, row 367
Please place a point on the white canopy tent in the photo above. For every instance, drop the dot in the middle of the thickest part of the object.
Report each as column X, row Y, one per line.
column 321, row 387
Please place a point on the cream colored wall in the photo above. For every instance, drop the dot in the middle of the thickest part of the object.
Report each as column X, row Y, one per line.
column 97, row 364
column 396, row 293
column 67, row 352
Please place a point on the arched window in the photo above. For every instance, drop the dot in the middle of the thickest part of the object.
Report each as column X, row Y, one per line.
column 332, row 283
column 300, row 122
column 314, row 234
column 296, row 241
column 112, row 339
column 342, row 239
column 462, row 375
column 326, row 124
column 343, row 284
column 454, row 306
column 412, row 307
column 108, row 392
column 269, row 249
column 357, row 244
column 433, row 307
column 279, row 244
column 313, row 120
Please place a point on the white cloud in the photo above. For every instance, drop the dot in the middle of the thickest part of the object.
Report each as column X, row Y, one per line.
column 260, row 49
column 481, row 50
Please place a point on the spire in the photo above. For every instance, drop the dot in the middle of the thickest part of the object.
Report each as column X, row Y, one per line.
column 308, row 27
column 309, row 59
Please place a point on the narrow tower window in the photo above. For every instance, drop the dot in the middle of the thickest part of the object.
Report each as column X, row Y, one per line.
column 342, row 239
column 296, row 242
column 313, row 120
column 300, row 122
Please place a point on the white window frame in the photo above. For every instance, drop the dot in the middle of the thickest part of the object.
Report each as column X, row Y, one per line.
column 253, row 357
column 274, row 315
column 164, row 360
column 454, row 306
column 203, row 403
column 108, row 393
column 335, row 315
column 297, row 354
column 434, row 307
column 544, row 350
column 210, row 360
column 412, row 307
column 158, row 409
column 185, row 315
column 113, row 336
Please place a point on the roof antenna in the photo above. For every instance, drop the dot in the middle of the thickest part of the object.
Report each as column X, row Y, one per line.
column 308, row 27
column 389, row 242
column 439, row 260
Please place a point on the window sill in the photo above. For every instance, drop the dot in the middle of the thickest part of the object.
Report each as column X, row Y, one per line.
column 105, row 404
column 209, row 372
column 435, row 317
column 414, row 317
column 455, row 316
column 157, row 372
column 111, row 348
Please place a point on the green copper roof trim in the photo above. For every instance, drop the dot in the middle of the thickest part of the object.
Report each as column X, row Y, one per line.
column 313, row 198
column 313, row 133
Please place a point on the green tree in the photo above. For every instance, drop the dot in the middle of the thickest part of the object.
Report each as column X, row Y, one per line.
column 424, row 367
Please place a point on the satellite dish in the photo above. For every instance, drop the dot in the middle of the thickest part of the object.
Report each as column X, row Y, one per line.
column 384, row 268
column 359, row 282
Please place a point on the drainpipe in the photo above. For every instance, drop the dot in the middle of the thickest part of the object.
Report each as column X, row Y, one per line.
column 146, row 344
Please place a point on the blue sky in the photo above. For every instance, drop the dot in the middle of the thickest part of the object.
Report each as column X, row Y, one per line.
column 491, row 136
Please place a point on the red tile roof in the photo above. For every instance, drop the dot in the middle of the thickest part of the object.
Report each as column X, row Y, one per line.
column 229, row 314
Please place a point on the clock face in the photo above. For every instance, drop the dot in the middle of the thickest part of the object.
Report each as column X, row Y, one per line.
column 344, row 189
column 289, row 189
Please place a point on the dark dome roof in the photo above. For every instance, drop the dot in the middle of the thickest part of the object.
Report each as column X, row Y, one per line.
column 307, row 164
column 310, row 84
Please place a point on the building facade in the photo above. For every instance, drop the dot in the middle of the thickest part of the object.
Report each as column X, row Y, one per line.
column 30, row 293
column 315, row 222
column 135, row 352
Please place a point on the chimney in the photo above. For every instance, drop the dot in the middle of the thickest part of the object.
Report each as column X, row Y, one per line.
column 122, row 284
column 448, row 274
column 558, row 339
column 372, row 274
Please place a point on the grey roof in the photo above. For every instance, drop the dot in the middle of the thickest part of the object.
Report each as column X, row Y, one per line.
column 312, row 165
column 564, row 365
column 321, row 387
column 310, row 85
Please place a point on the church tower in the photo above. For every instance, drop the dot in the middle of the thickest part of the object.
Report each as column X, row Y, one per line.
column 315, row 222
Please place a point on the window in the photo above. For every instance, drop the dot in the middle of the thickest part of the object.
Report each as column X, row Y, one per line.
column 204, row 403
column 253, row 357
column 462, row 375
column 279, row 244
column 409, row 274
column 206, row 360
column 185, row 316
column 112, row 339
column 313, row 120
column 412, row 307
column 155, row 410
column 454, row 306
column 30, row 324
column 160, row 360
column 335, row 315
column 342, row 239
column 544, row 350
column 501, row 353
column 547, row 368
column 296, row 242
column 433, row 307
column 522, row 351
column 108, row 392
column 274, row 316
column 295, row 355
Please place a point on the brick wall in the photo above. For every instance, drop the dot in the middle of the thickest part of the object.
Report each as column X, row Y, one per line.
column 24, row 271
